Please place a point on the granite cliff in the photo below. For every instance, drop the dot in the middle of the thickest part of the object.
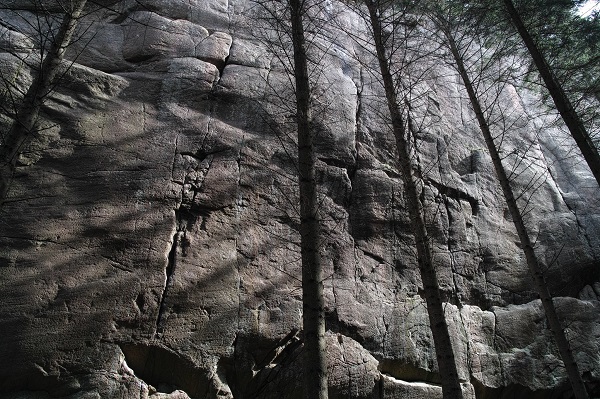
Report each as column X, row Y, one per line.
column 149, row 245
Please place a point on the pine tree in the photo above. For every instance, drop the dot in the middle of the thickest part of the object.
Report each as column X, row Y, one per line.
column 451, row 386
column 447, row 28
column 313, row 316
column 562, row 102
column 24, row 125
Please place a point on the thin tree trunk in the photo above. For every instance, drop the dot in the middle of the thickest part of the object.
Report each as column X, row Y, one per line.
column 313, row 317
column 451, row 386
column 23, row 128
column 532, row 262
column 561, row 101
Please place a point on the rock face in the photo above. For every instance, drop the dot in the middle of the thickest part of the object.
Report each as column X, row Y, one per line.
column 149, row 245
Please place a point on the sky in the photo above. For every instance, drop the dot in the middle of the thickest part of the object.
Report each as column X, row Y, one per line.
column 588, row 7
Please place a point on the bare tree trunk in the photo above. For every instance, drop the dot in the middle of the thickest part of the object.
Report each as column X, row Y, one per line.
column 443, row 345
column 532, row 262
column 315, row 368
column 561, row 101
column 23, row 128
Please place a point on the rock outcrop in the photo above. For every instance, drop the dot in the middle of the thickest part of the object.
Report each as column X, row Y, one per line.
column 149, row 244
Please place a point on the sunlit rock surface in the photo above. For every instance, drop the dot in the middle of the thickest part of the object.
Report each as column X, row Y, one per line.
column 149, row 245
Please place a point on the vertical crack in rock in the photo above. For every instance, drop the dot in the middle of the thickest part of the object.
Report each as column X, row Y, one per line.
column 186, row 215
column 221, row 69
column 351, row 171
column 231, row 23
column 446, row 192
column 174, row 163
column 357, row 125
column 334, row 291
column 459, row 302
column 396, row 228
column 356, row 260
column 465, row 330
column 140, row 302
column 340, row 339
column 495, row 346
column 238, row 211
column 443, row 193
column 383, row 332
column 210, row 116
column 441, row 149
column 144, row 115
column 495, row 329
column 169, row 275
column 449, row 246
column 416, row 165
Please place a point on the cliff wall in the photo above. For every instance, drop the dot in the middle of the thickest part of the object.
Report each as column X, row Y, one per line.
column 149, row 244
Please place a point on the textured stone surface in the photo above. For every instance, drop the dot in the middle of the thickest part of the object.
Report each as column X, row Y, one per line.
column 398, row 389
column 149, row 247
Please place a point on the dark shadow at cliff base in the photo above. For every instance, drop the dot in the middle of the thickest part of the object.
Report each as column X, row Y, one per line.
column 408, row 372
column 165, row 369
column 515, row 391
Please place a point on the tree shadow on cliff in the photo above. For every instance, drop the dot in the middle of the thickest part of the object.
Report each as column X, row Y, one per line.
column 81, row 247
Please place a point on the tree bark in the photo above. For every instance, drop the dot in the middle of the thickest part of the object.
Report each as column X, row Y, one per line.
column 561, row 101
column 313, row 316
column 23, row 128
column 451, row 386
column 532, row 261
